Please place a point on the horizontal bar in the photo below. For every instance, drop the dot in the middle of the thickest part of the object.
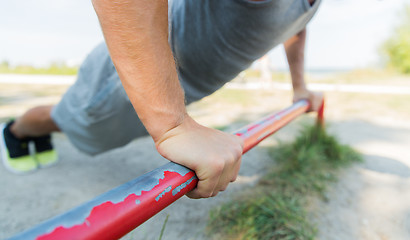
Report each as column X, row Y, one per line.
column 118, row 211
column 254, row 133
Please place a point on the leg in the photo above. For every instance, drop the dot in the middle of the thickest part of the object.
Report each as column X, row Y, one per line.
column 26, row 143
column 35, row 122
column 95, row 113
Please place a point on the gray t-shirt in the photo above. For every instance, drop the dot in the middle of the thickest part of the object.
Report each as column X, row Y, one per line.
column 214, row 40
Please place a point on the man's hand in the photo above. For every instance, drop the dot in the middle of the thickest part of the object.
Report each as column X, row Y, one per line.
column 315, row 98
column 215, row 156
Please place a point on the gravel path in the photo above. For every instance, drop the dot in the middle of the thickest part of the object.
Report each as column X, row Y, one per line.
column 371, row 200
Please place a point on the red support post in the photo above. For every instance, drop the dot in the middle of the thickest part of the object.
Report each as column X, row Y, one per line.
column 321, row 113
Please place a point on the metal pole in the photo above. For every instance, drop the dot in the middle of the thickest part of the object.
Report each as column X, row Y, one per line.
column 321, row 114
column 117, row 212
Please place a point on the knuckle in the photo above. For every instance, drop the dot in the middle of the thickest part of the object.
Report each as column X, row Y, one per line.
column 218, row 166
column 238, row 150
column 230, row 160
column 236, row 156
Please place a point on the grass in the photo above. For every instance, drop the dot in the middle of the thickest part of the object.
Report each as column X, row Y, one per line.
column 50, row 70
column 163, row 228
column 277, row 207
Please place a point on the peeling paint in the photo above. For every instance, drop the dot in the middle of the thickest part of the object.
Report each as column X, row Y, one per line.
column 182, row 186
column 163, row 193
column 96, row 220
column 80, row 216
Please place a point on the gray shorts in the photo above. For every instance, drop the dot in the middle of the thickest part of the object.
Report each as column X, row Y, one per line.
column 212, row 41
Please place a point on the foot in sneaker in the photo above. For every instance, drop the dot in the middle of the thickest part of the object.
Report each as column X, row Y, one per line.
column 45, row 153
column 15, row 153
column 25, row 155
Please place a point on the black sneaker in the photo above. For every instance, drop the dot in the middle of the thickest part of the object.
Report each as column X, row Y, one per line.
column 17, row 154
column 45, row 153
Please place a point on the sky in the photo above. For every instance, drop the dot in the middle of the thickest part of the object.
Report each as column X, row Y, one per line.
column 344, row 34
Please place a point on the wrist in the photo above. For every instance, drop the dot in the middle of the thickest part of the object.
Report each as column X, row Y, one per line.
column 162, row 125
column 298, row 81
column 300, row 89
column 301, row 93
column 185, row 123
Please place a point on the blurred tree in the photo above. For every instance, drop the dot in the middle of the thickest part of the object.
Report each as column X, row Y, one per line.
column 4, row 64
column 397, row 47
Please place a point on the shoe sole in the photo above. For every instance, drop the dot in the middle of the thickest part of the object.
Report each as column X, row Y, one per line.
column 4, row 154
column 44, row 155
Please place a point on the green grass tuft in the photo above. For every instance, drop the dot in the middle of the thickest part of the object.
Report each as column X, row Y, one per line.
column 277, row 207
column 50, row 70
column 163, row 227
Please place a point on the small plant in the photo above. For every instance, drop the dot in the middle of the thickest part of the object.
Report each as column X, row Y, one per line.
column 277, row 207
column 163, row 227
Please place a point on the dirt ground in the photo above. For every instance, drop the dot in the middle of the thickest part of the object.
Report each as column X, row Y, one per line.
column 371, row 200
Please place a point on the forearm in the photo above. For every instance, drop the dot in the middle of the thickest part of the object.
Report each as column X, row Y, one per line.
column 136, row 33
column 295, row 53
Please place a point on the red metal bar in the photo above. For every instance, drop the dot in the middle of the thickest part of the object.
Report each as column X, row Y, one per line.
column 119, row 211
column 254, row 133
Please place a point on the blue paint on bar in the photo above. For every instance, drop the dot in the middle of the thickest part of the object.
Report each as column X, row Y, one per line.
column 79, row 214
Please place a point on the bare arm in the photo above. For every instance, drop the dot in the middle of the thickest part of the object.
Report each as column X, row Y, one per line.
column 295, row 53
column 136, row 33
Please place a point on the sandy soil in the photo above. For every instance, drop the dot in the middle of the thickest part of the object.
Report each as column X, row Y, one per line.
column 371, row 200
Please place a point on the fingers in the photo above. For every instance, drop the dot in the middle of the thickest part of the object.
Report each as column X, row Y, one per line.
column 315, row 100
column 215, row 156
column 236, row 170
column 223, row 172
column 204, row 189
column 210, row 187
column 231, row 167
